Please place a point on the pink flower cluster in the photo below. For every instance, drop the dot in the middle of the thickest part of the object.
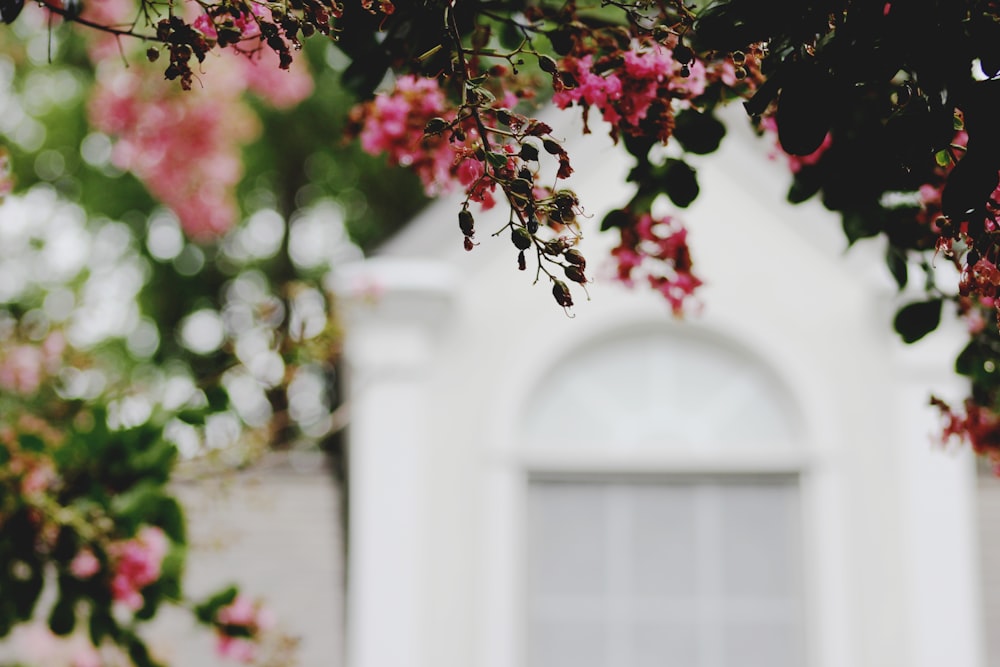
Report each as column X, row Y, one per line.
column 393, row 124
column 136, row 564
column 84, row 565
column 249, row 619
column 24, row 366
column 648, row 78
column 6, row 176
column 186, row 145
column 656, row 249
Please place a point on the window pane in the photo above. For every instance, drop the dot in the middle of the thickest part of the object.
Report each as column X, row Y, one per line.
column 762, row 645
column 701, row 573
column 664, row 554
column 760, row 541
column 658, row 645
column 567, row 552
column 566, row 643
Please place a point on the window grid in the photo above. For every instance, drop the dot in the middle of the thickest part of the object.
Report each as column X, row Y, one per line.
column 620, row 615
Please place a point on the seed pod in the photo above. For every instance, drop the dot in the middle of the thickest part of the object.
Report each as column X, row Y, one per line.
column 152, row 54
column 551, row 147
column 466, row 222
column 575, row 257
column 436, row 126
column 547, row 64
column 575, row 273
column 683, row 54
column 521, row 238
column 521, row 186
column 522, row 264
column 504, row 117
column 561, row 293
column 532, row 223
column 529, row 153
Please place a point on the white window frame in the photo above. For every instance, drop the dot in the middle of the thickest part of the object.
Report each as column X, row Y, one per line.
column 509, row 467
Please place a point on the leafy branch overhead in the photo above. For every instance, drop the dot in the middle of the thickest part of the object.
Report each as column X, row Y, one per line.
column 884, row 111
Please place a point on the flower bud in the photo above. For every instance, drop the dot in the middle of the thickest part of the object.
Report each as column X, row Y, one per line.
column 561, row 293
column 547, row 64
column 575, row 257
column 529, row 153
column 466, row 222
column 520, row 238
column 436, row 126
column 522, row 264
column 683, row 54
column 521, row 186
column 575, row 273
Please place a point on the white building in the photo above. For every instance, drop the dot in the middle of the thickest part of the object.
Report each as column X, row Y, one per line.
column 756, row 485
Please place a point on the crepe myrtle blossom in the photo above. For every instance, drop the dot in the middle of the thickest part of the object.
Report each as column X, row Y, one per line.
column 655, row 250
column 136, row 564
column 84, row 564
column 239, row 626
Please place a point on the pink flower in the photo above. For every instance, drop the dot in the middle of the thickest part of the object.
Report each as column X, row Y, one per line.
column 136, row 564
column 241, row 611
column 235, row 648
column 38, row 478
column 84, row 565
column 280, row 88
column 21, row 369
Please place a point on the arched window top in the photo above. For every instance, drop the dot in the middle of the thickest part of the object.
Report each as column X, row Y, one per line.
column 661, row 389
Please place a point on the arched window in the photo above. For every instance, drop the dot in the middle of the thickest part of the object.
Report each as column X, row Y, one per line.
column 663, row 523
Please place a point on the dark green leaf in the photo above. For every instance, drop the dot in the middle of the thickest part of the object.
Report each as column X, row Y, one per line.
column 698, row 132
column 806, row 183
column 615, row 219
column 62, row 620
column 206, row 611
column 857, row 226
column 680, row 182
column 916, row 320
column 895, row 259
column 31, row 443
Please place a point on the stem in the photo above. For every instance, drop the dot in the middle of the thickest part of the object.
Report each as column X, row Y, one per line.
column 97, row 26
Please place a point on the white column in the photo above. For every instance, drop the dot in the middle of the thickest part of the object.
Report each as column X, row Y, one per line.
column 938, row 486
column 392, row 311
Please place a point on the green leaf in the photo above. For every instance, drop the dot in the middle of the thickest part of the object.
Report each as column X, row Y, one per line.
column 138, row 652
column 206, row 611
column 31, row 443
column 698, row 132
column 62, row 620
column 497, row 160
column 895, row 259
column 616, row 219
column 679, row 182
column 806, row 183
column 916, row 320
column 510, row 35
column 102, row 625
column 857, row 226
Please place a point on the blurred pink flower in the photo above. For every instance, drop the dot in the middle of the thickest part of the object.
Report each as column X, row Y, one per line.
column 84, row 565
column 235, row 648
column 137, row 564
